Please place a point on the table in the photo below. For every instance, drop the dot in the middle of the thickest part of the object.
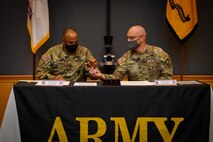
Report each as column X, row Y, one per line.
column 108, row 113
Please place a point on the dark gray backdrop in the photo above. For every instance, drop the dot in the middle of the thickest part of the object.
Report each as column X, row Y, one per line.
column 89, row 18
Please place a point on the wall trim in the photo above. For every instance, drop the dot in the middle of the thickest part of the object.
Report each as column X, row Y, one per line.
column 194, row 77
column 14, row 78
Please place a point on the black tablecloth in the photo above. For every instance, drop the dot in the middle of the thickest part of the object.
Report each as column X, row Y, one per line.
column 113, row 113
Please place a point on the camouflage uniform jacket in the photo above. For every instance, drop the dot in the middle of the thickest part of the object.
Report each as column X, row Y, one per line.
column 150, row 65
column 58, row 61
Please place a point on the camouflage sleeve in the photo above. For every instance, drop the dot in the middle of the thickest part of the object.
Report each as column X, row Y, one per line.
column 119, row 73
column 89, row 58
column 43, row 68
column 166, row 67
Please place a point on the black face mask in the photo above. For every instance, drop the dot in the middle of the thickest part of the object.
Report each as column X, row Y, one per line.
column 71, row 48
column 133, row 44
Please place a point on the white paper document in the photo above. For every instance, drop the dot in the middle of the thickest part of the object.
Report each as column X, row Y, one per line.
column 136, row 83
column 29, row 81
column 189, row 82
column 85, row 84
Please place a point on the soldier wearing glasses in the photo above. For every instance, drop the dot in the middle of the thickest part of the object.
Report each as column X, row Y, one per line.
column 67, row 61
column 141, row 62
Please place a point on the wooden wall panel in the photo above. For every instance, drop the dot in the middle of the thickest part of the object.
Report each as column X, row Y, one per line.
column 4, row 95
column 6, row 84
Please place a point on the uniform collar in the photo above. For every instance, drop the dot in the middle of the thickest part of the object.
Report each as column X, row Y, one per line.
column 138, row 52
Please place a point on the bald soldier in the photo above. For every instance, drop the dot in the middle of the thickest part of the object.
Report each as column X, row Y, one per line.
column 66, row 61
column 141, row 62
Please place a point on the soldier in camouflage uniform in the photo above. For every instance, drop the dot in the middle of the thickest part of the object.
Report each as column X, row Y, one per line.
column 67, row 61
column 141, row 62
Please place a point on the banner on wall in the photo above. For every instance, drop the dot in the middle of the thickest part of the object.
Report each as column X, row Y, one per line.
column 182, row 16
column 38, row 23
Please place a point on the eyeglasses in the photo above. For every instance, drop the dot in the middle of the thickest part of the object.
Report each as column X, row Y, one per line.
column 133, row 37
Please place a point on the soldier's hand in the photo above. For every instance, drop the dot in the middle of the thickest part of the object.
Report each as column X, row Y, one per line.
column 96, row 73
column 58, row 77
